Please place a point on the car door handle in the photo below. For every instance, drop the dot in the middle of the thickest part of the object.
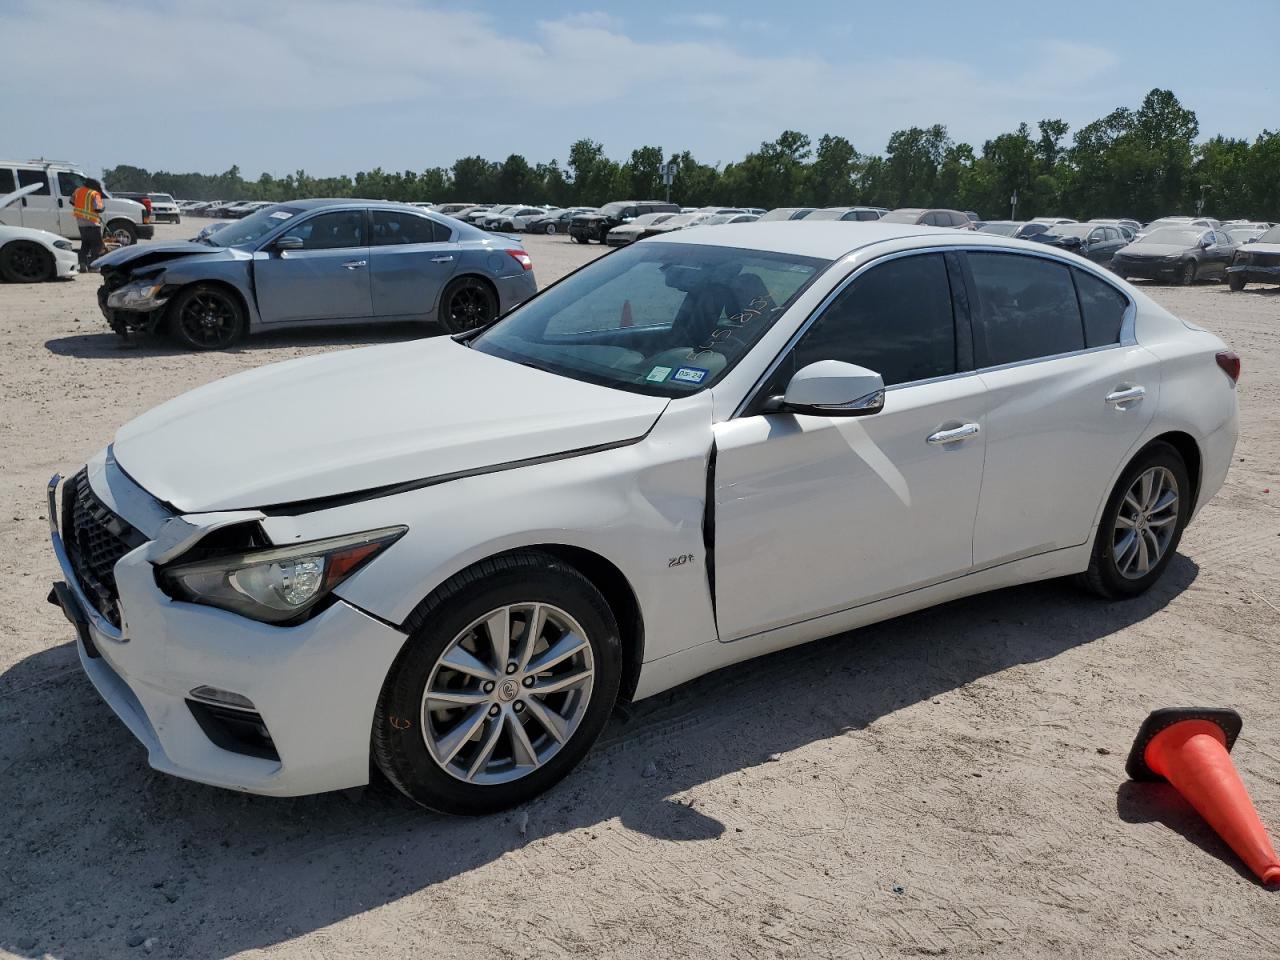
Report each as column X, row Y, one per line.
column 1126, row 395
column 356, row 264
column 441, row 259
column 955, row 434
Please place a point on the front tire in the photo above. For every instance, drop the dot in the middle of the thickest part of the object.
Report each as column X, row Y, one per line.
column 206, row 317
column 508, row 677
column 1235, row 282
column 25, row 262
column 1187, row 276
column 549, row 229
column 1141, row 525
column 467, row 303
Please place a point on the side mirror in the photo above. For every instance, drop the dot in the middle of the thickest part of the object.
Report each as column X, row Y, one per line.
column 832, row 388
column 288, row 243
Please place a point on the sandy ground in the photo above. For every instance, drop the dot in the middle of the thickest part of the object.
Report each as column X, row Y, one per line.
column 950, row 783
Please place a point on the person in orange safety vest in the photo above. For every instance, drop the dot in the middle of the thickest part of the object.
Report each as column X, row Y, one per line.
column 88, row 205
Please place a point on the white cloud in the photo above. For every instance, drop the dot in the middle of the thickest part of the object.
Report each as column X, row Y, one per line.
column 337, row 84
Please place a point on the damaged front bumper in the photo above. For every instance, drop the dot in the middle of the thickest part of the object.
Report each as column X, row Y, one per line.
column 134, row 307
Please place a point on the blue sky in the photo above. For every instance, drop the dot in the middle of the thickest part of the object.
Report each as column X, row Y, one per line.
column 334, row 86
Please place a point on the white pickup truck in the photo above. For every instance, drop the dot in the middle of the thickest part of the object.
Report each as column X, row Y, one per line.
column 49, row 206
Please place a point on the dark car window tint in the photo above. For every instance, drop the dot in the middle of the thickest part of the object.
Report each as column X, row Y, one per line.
column 392, row 227
column 1103, row 307
column 895, row 319
column 6, row 181
column 68, row 183
column 1027, row 306
column 28, row 177
column 331, row 231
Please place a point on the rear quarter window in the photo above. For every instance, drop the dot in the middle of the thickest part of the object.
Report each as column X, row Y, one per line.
column 7, row 183
column 1027, row 308
column 1103, row 307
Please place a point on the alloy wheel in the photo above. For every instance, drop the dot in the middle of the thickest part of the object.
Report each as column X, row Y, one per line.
column 1145, row 523
column 121, row 237
column 28, row 263
column 508, row 693
column 209, row 320
column 469, row 307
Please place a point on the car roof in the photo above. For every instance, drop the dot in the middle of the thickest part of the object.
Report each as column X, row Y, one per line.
column 827, row 239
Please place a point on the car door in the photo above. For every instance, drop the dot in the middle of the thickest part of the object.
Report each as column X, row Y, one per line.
column 39, row 209
column 1221, row 252
column 327, row 278
column 410, row 260
column 68, row 182
column 10, row 213
column 1070, row 392
column 814, row 515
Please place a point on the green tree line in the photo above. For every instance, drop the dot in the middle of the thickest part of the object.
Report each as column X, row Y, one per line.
column 1143, row 163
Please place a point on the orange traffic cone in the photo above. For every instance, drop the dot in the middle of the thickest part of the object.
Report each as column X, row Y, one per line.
column 1190, row 747
column 626, row 320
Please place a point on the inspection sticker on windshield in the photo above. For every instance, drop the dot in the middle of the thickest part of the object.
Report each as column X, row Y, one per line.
column 281, row 215
column 658, row 374
column 691, row 374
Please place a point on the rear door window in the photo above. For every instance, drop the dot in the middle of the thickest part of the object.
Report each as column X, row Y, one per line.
column 895, row 319
column 7, row 183
column 1026, row 307
column 391, row 227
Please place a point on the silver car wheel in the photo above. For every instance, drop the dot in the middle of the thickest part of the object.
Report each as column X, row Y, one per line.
column 1145, row 523
column 508, row 693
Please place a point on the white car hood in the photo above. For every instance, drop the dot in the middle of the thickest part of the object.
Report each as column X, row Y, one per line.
column 357, row 420
column 28, row 233
column 1255, row 247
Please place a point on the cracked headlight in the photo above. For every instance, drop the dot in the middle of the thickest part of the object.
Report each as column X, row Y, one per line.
column 139, row 295
column 280, row 584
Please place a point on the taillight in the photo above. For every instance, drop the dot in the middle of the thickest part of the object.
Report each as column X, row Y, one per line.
column 522, row 258
column 1230, row 364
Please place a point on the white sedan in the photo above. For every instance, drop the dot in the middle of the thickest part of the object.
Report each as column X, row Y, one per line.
column 453, row 557
column 30, row 256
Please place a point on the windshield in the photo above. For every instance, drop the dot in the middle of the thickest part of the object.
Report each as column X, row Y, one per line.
column 647, row 218
column 902, row 216
column 781, row 213
column 1157, row 224
column 1174, row 236
column 826, row 214
column 1004, row 229
column 613, row 209
column 252, row 228
column 666, row 319
column 1243, row 233
column 1271, row 236
column 1080, row 230
column 162, row 197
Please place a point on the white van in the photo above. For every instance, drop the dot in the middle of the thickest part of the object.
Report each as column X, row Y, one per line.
column 49, row 207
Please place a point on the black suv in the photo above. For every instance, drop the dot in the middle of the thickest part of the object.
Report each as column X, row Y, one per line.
column 586, row 227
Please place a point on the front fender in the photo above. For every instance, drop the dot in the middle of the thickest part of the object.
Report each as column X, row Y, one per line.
column 639, row 506
column 235, row 273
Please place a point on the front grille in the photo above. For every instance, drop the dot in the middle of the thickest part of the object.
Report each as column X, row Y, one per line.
column 95, row 538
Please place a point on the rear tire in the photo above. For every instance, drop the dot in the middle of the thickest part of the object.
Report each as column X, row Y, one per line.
column 23, row 261
column 467, row 303
column 1135, row 525
column 122, row 232
column 549, row 229
column 457, row 742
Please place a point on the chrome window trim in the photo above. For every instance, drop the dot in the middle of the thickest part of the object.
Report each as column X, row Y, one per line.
column 1128, row 323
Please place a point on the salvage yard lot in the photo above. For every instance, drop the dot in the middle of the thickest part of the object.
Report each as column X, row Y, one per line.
column 948, row 783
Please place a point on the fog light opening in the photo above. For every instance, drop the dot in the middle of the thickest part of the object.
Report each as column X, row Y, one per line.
column 223, row 698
